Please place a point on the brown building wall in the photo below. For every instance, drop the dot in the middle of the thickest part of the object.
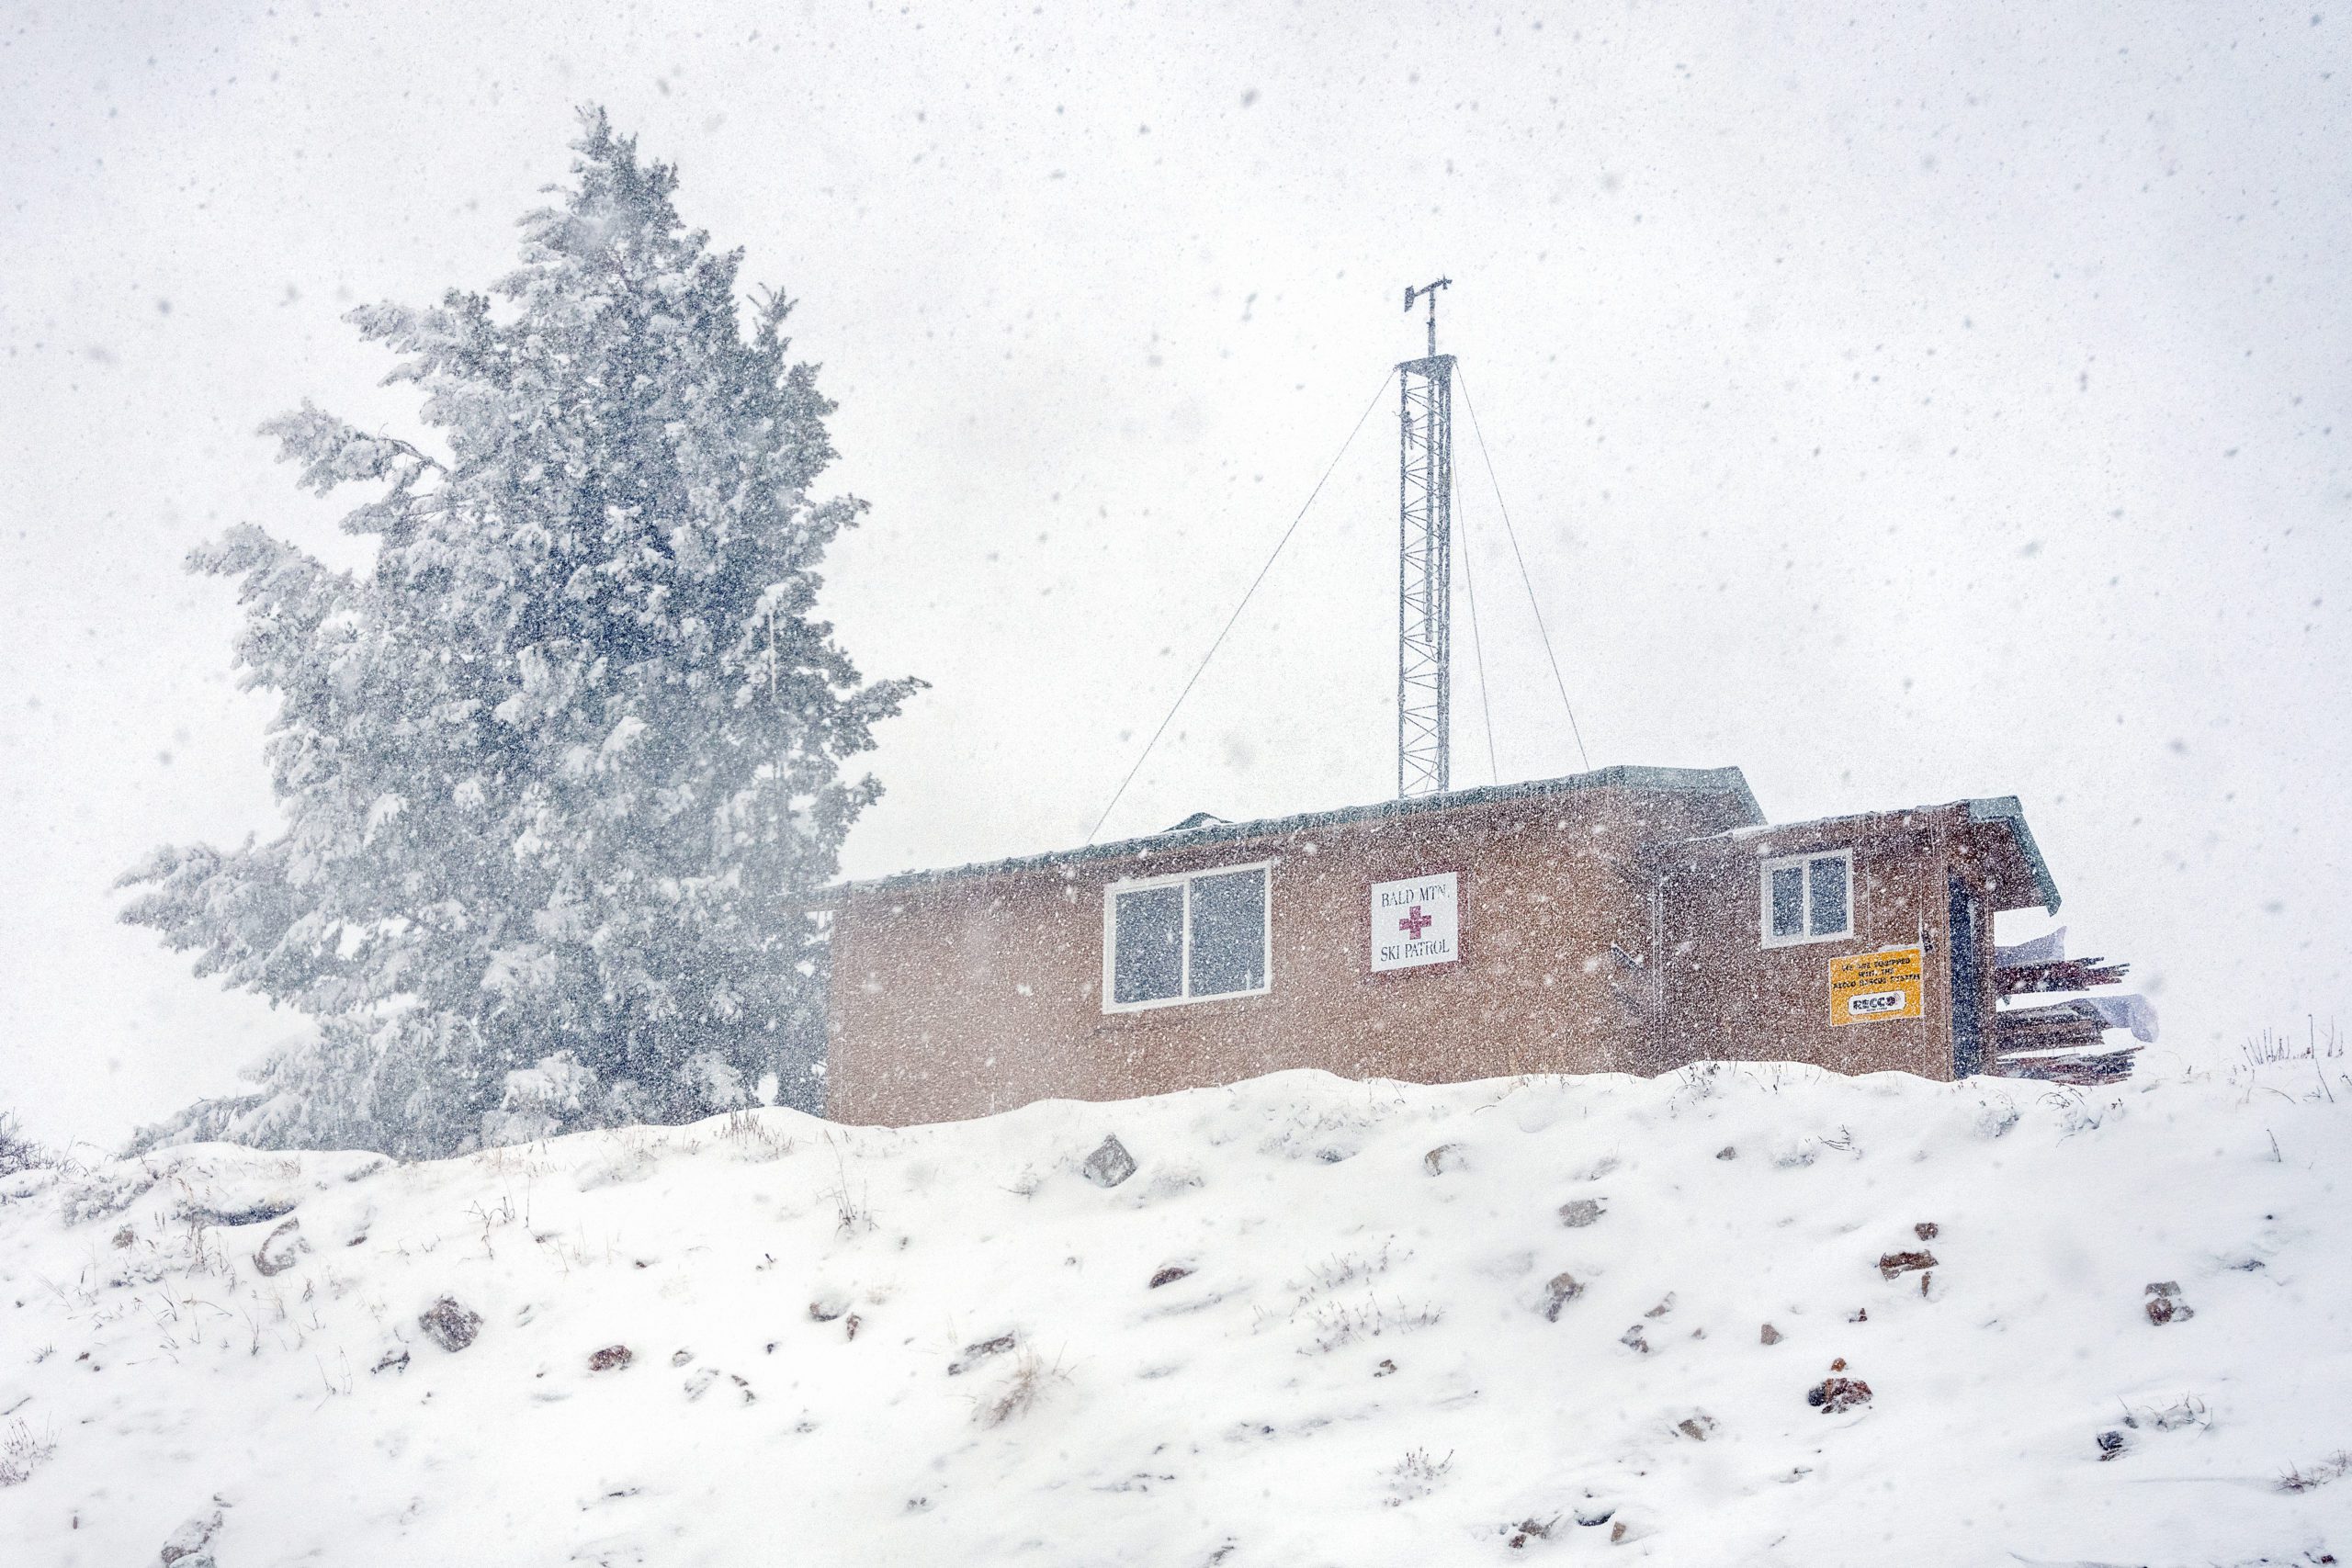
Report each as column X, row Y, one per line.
column 1729, row 997
column 1605, row 927
column 963, row 995
column 1725, row 994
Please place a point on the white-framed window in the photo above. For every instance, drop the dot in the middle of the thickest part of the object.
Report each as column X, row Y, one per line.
column 1192, row 937
column 1808, row 897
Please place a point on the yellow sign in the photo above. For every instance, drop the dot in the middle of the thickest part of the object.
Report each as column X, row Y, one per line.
column 1871, row 986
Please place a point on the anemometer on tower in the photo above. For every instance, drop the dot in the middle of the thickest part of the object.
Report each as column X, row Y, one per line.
column 1425, row 564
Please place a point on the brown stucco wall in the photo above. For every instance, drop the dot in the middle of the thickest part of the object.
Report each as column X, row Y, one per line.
column 1728, row 996
column 961, row 995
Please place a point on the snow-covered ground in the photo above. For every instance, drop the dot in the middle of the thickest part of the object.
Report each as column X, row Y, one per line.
column 945, row 1344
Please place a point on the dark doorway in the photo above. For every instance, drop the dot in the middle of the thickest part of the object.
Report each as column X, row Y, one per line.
column 1967, row 983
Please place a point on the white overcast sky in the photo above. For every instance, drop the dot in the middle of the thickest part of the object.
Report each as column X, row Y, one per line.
column 1901, row 402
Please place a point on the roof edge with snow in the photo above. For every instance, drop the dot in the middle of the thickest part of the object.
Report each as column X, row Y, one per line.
column 2010, row 811
column 1700, row 781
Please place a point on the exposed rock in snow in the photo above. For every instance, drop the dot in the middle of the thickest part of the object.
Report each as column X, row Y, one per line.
column 449, row 1324
column 2165, row 1305
column 185, row 1547
column 1837, row 1394
column 279, row 1248
column 1108, row 1165
column 980, row 1350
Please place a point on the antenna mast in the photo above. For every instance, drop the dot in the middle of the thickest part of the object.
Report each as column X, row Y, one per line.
column 1425, row 568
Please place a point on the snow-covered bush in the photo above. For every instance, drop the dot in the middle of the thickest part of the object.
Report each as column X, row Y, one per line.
column 17, row 1153
column 104, row 1192
column 540, row 1100
column 552, row 761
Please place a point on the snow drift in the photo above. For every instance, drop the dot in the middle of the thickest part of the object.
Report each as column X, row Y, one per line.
column 1320, row 1322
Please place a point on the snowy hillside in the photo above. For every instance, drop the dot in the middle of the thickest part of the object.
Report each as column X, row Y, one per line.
column 1321, row 1323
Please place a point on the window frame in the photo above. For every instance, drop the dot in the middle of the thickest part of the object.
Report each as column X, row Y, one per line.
column 1111, row 895
column 1804, row 862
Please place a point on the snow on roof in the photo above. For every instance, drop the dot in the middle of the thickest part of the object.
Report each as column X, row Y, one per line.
column 2003, row 809
column 1715, row 781
column 2006, row 809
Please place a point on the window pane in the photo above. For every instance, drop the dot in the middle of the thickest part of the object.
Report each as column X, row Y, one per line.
column 1787, row 901
column 1148, row 954
column 1229, row 933
column 1828, row 895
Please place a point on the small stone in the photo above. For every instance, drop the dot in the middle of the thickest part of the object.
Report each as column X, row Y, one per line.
column 850, row 1324
column 1727, row 1151
column 1770, row 1335
column 1860, row 1315
column 611, row 1358
column 2110, row 1443
column 1617, row 1532
column 1692, row 1429
column 1834, row 1394
column 185, row 1545
column 1387, row 1369
column 275, row 1253
column 827, row 1305
column 1893, row 1263
column 980, row 1350
column 448, row 1325
column 1927, row 1230
column 1168, row 1275
column 1632, row 1339
column 1108, row 1165
column 1577, row 1212
column 680, row 1358
column 1561, row 1290
column 1592, row 1517
column 1663, row 1307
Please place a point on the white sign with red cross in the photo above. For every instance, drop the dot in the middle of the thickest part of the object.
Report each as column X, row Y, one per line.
column 1417, row 921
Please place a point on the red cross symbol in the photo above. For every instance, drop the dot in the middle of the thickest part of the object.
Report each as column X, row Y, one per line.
column 1413, row 924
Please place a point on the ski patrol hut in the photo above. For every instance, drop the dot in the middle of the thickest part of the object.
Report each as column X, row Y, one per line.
column 1628, row 919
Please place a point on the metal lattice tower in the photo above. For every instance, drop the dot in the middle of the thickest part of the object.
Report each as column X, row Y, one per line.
column 1425, row 571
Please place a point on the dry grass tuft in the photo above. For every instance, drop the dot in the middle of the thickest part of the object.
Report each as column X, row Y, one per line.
column 20, row 1451
column 1416, row 1475
column 2334, row 1467
column 1025, row 1383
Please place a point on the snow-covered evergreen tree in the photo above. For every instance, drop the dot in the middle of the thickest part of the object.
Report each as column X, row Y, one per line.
column 552, row 763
